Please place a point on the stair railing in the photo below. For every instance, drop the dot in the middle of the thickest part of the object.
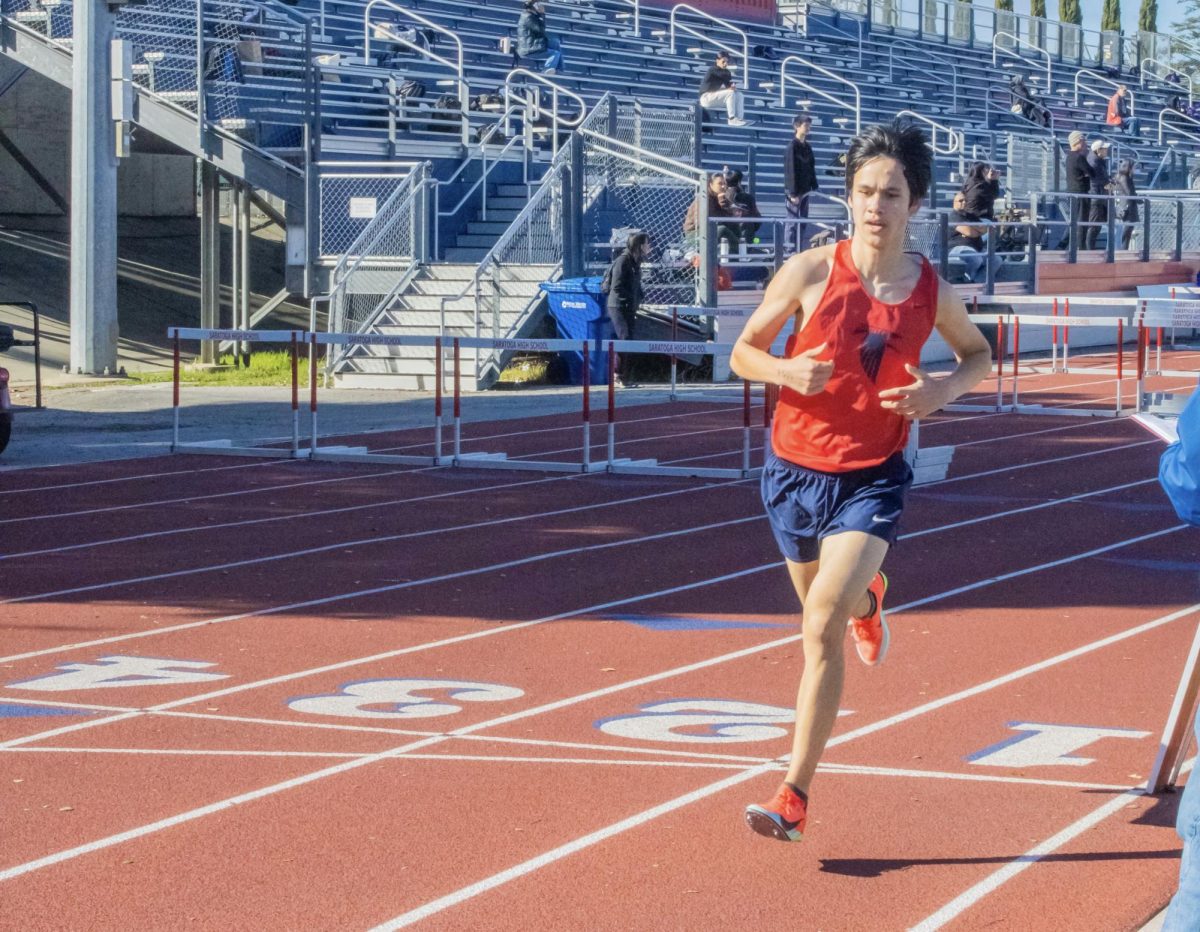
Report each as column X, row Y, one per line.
column 854, row 107
column 385, row 30
column 1084, row 74
column 684, row 28
column 999, row 48
column 529, row 104
column 1147, row 66
column 899, row 47
column 952, row 139
column 1180, row 121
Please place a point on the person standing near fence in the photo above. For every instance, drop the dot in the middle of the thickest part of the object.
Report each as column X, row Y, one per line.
column 799, row 179
column 1101, row 184
column 1128, row 214
column 623, row 285
column 1079, row 179
column 718, row 89
column 835, row 477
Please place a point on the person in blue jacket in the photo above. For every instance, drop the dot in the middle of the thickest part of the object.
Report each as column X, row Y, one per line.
column 1179, row 475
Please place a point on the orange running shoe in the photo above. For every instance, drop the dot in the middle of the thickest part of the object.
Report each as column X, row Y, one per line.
column 782, row 818
column 871, row 633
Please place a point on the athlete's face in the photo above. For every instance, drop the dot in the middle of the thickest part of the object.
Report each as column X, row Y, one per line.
column 880, row 201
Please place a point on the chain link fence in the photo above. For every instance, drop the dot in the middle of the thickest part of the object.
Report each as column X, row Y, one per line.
column 1031, row 165
column 349, row 203
column 382, row 259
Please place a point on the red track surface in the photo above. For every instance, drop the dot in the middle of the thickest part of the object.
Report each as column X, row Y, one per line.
column 1044, row 588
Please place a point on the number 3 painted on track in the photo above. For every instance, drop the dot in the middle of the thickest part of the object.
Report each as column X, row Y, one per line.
column 398, row 698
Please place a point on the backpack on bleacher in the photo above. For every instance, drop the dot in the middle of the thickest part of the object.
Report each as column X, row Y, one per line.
column 411, row 88
column 444, row 108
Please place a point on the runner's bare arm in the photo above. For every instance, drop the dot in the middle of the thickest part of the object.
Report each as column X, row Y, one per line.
column 928, row 393
column 785, row 297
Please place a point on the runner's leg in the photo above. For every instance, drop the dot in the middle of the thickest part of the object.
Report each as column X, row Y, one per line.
column 837, row 590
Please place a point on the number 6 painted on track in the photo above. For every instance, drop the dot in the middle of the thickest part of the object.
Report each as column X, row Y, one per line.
column 362, row 699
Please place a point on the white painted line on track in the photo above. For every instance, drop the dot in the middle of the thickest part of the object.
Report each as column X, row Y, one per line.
column 362, row 542
column 993, row 881
column 594, row 837
column 864, row 770
column 139, row 477
column 185, row 752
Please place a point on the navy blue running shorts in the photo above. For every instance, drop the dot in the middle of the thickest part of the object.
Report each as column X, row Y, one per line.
column 805, row 506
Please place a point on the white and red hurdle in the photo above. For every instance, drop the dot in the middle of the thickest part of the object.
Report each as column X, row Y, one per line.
column 451, row 453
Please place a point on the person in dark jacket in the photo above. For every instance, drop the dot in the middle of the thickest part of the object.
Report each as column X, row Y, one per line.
column 718, row 88
column 625, row 290
column 1078, row 175
column 720, row 204
column 980, row 190
column 1123, row 184
column 799, row 178
column 744, row 205
column 533, row 40
column 1101, row 184
column 1026, row 102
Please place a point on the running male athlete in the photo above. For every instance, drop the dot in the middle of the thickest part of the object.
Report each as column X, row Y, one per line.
column 835, row 480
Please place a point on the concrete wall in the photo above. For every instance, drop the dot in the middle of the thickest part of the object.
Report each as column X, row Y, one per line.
column 36, row 115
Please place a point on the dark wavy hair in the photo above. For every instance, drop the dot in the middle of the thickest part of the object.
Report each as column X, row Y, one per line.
column 904, row 142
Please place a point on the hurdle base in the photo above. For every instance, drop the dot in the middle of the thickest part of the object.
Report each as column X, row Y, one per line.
column 501, row 461
column 1066, row 412
column 226, row 448
column 931, row 464
column 363, row 455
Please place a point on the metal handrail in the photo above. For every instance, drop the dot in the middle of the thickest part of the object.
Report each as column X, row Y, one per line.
column 464, row 90
column 1019, row 42
column 955, row 136
column 1143, row 71
column 683, row 171
column 703, row 38
column 903, row 44
column 533, row 106
column 1097, row 93
column 858, row 23
column 637, row 14
column 809, row 196
column 856, row 109
column 1194, row 136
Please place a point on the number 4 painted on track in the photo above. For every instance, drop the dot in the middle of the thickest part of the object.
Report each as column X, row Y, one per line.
column 111, row 672
column 398, row 698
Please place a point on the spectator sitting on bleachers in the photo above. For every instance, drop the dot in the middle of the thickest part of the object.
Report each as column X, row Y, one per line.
column 967, row 243
column 532, row 39
column 718, row 88
column 1117, row 115
column 1026, row 103
column 744, row 205
column 980, row 190
column 720, row 204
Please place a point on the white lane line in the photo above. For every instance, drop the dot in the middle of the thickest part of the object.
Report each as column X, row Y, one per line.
column 184, row 752
column 394, row 587
column 993, row 881
column 908, row 773
column 187, row 499
column 362, row 542
column 301, row 515
column 546, row 858
column 140, row 477
column 1057, row 459
column 188, row 625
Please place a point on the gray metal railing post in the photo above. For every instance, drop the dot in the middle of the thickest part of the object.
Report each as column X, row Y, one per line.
column 200, row 110
column 1178, row 251
column 572, row 226
column 1073, row 231
column 1145, row 230
column 1110, row 233
column 707, row 248
column 990, row 280
column 1034, row 239
column 943, row 244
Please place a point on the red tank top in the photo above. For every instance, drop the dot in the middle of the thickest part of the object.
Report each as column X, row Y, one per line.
column 845, row 426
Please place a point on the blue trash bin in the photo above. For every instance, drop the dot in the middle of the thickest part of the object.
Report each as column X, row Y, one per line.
column 578, row 308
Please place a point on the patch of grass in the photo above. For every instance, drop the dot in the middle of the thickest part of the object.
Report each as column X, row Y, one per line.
column 269, row 367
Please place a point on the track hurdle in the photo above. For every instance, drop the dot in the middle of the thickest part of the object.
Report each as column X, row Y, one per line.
column 226, row 447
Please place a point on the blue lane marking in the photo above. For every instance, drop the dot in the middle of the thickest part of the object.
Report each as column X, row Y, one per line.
column 13, row 710
column 675, row 623
column 1166, row 566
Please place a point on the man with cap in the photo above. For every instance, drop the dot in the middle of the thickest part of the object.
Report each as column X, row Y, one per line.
column 1078, row 175
column 718, row 88
column 799, row 178
column 1101, row 184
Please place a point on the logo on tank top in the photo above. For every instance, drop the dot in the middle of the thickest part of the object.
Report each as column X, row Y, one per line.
column 870, row 353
